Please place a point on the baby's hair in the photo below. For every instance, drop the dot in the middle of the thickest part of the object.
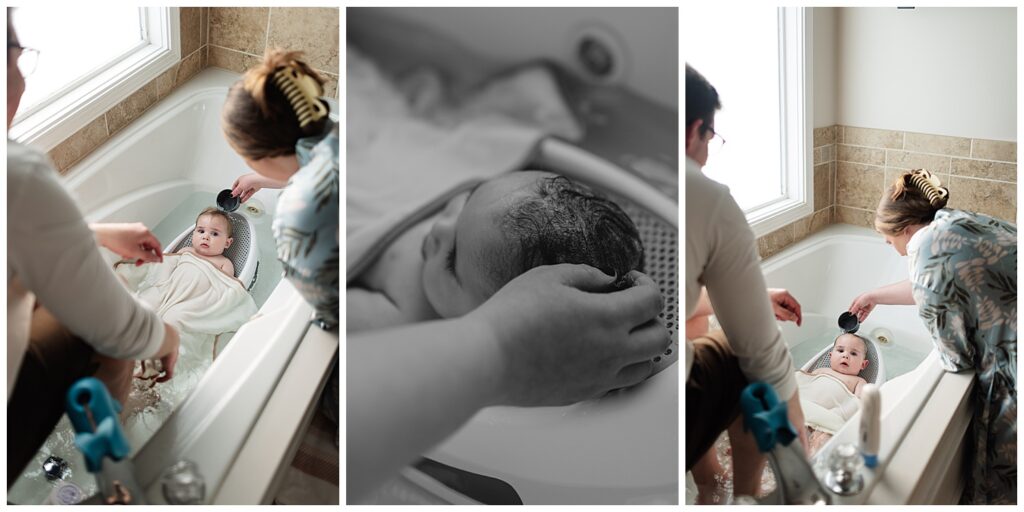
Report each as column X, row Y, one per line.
column 863, row 341
column 217, row 213
column 566, row 222
column 913, row 198
column 258, row 119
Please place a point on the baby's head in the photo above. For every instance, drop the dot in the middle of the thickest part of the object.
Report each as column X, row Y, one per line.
column 212, row 233
column 510, row 224
column 849, row 354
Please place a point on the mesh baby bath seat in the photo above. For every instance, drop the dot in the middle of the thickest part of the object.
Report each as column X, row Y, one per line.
column 243, row 253
column 874, row 373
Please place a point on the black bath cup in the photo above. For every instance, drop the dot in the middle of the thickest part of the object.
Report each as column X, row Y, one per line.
column 848, row 322
column 226, row 201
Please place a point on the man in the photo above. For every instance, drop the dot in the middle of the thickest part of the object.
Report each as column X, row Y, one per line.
column 723, row 277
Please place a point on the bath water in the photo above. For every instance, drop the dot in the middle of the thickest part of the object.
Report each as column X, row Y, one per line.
column 898, row 358
column 150, row 406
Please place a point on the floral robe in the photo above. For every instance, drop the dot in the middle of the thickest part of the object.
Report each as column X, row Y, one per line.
column 306, row 225
column 963, row 267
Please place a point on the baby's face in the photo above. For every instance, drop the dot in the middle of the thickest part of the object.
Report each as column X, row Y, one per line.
column 848, row 355
column 209, row 238
column 465, row 244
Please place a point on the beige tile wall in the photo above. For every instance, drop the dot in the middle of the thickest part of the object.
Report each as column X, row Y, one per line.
column 853, row 166
column 233, row 38
column 981, row 174
column 823, row 199
column 193, row 59
column 240, row 35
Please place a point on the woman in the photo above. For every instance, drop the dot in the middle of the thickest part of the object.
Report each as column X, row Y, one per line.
column 275, row 120
column 963, row 279
column 68, row 316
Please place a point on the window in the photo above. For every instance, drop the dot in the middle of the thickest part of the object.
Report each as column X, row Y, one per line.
column 757, row 60
column 89, row 60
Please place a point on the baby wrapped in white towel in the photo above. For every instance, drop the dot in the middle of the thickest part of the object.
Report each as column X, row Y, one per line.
column 197, row 293
column 830, row 396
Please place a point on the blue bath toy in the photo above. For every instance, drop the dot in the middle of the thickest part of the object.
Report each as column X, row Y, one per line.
column 765, row 416
column 98, row 435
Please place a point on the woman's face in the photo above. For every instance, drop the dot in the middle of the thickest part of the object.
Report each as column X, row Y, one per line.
column 15, row 81
column 898, row 242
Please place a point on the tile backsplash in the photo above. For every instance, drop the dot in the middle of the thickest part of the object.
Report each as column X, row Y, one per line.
column 853, row 166
column 232, row 38
column 981, row 174
column 240, row 35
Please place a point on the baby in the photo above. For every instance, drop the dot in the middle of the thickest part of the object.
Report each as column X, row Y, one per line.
column 211, row 236
column 451, row 263
column 829, row 396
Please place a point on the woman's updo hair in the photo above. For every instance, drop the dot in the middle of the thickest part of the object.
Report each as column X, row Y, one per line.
column 913, row 198
column 258, row 119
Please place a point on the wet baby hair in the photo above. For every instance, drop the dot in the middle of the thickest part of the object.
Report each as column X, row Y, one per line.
column 913, row 198
column 217, row 213
column 566, row 222
column 863, row 341
column 273, row 106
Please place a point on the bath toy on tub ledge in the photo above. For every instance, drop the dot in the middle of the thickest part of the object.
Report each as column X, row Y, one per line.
column 93, row 414
column 765, row 417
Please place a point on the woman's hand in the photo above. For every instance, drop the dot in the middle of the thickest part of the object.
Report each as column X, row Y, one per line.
column 785, row 306
column 132, row 241
column 900, row 293
column 564, row 334
column 248, row 184
column 863, row 305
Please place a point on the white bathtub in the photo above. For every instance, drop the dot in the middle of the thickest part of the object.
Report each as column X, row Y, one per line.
column 924, row 411
column 242, row 421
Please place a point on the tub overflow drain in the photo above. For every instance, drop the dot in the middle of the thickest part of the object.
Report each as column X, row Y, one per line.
column 884, row 336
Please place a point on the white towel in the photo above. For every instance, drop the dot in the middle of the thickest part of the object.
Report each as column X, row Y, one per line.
column 203, row 303
column 400, row 160
column 191, row 294
column 827, row 403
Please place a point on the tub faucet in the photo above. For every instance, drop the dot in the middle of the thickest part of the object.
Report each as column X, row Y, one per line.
column 766, row 418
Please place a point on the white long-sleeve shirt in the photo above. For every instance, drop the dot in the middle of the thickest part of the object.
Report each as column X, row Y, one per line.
column 721, row 255
column 52, row 257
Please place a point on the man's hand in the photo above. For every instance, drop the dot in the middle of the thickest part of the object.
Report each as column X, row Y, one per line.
column 132, row 241
column 564, row 335
column 169, row 352
column 785, row 306
column 796, row 418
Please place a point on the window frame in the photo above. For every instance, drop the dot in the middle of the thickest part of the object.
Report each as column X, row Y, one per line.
column 89, row 97
column 795, row 119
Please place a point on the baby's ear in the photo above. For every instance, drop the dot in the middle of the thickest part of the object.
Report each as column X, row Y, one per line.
column 228, row 244
column 864, row 364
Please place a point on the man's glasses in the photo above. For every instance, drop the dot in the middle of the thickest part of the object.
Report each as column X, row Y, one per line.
column 716, row 141
column 27, row 60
